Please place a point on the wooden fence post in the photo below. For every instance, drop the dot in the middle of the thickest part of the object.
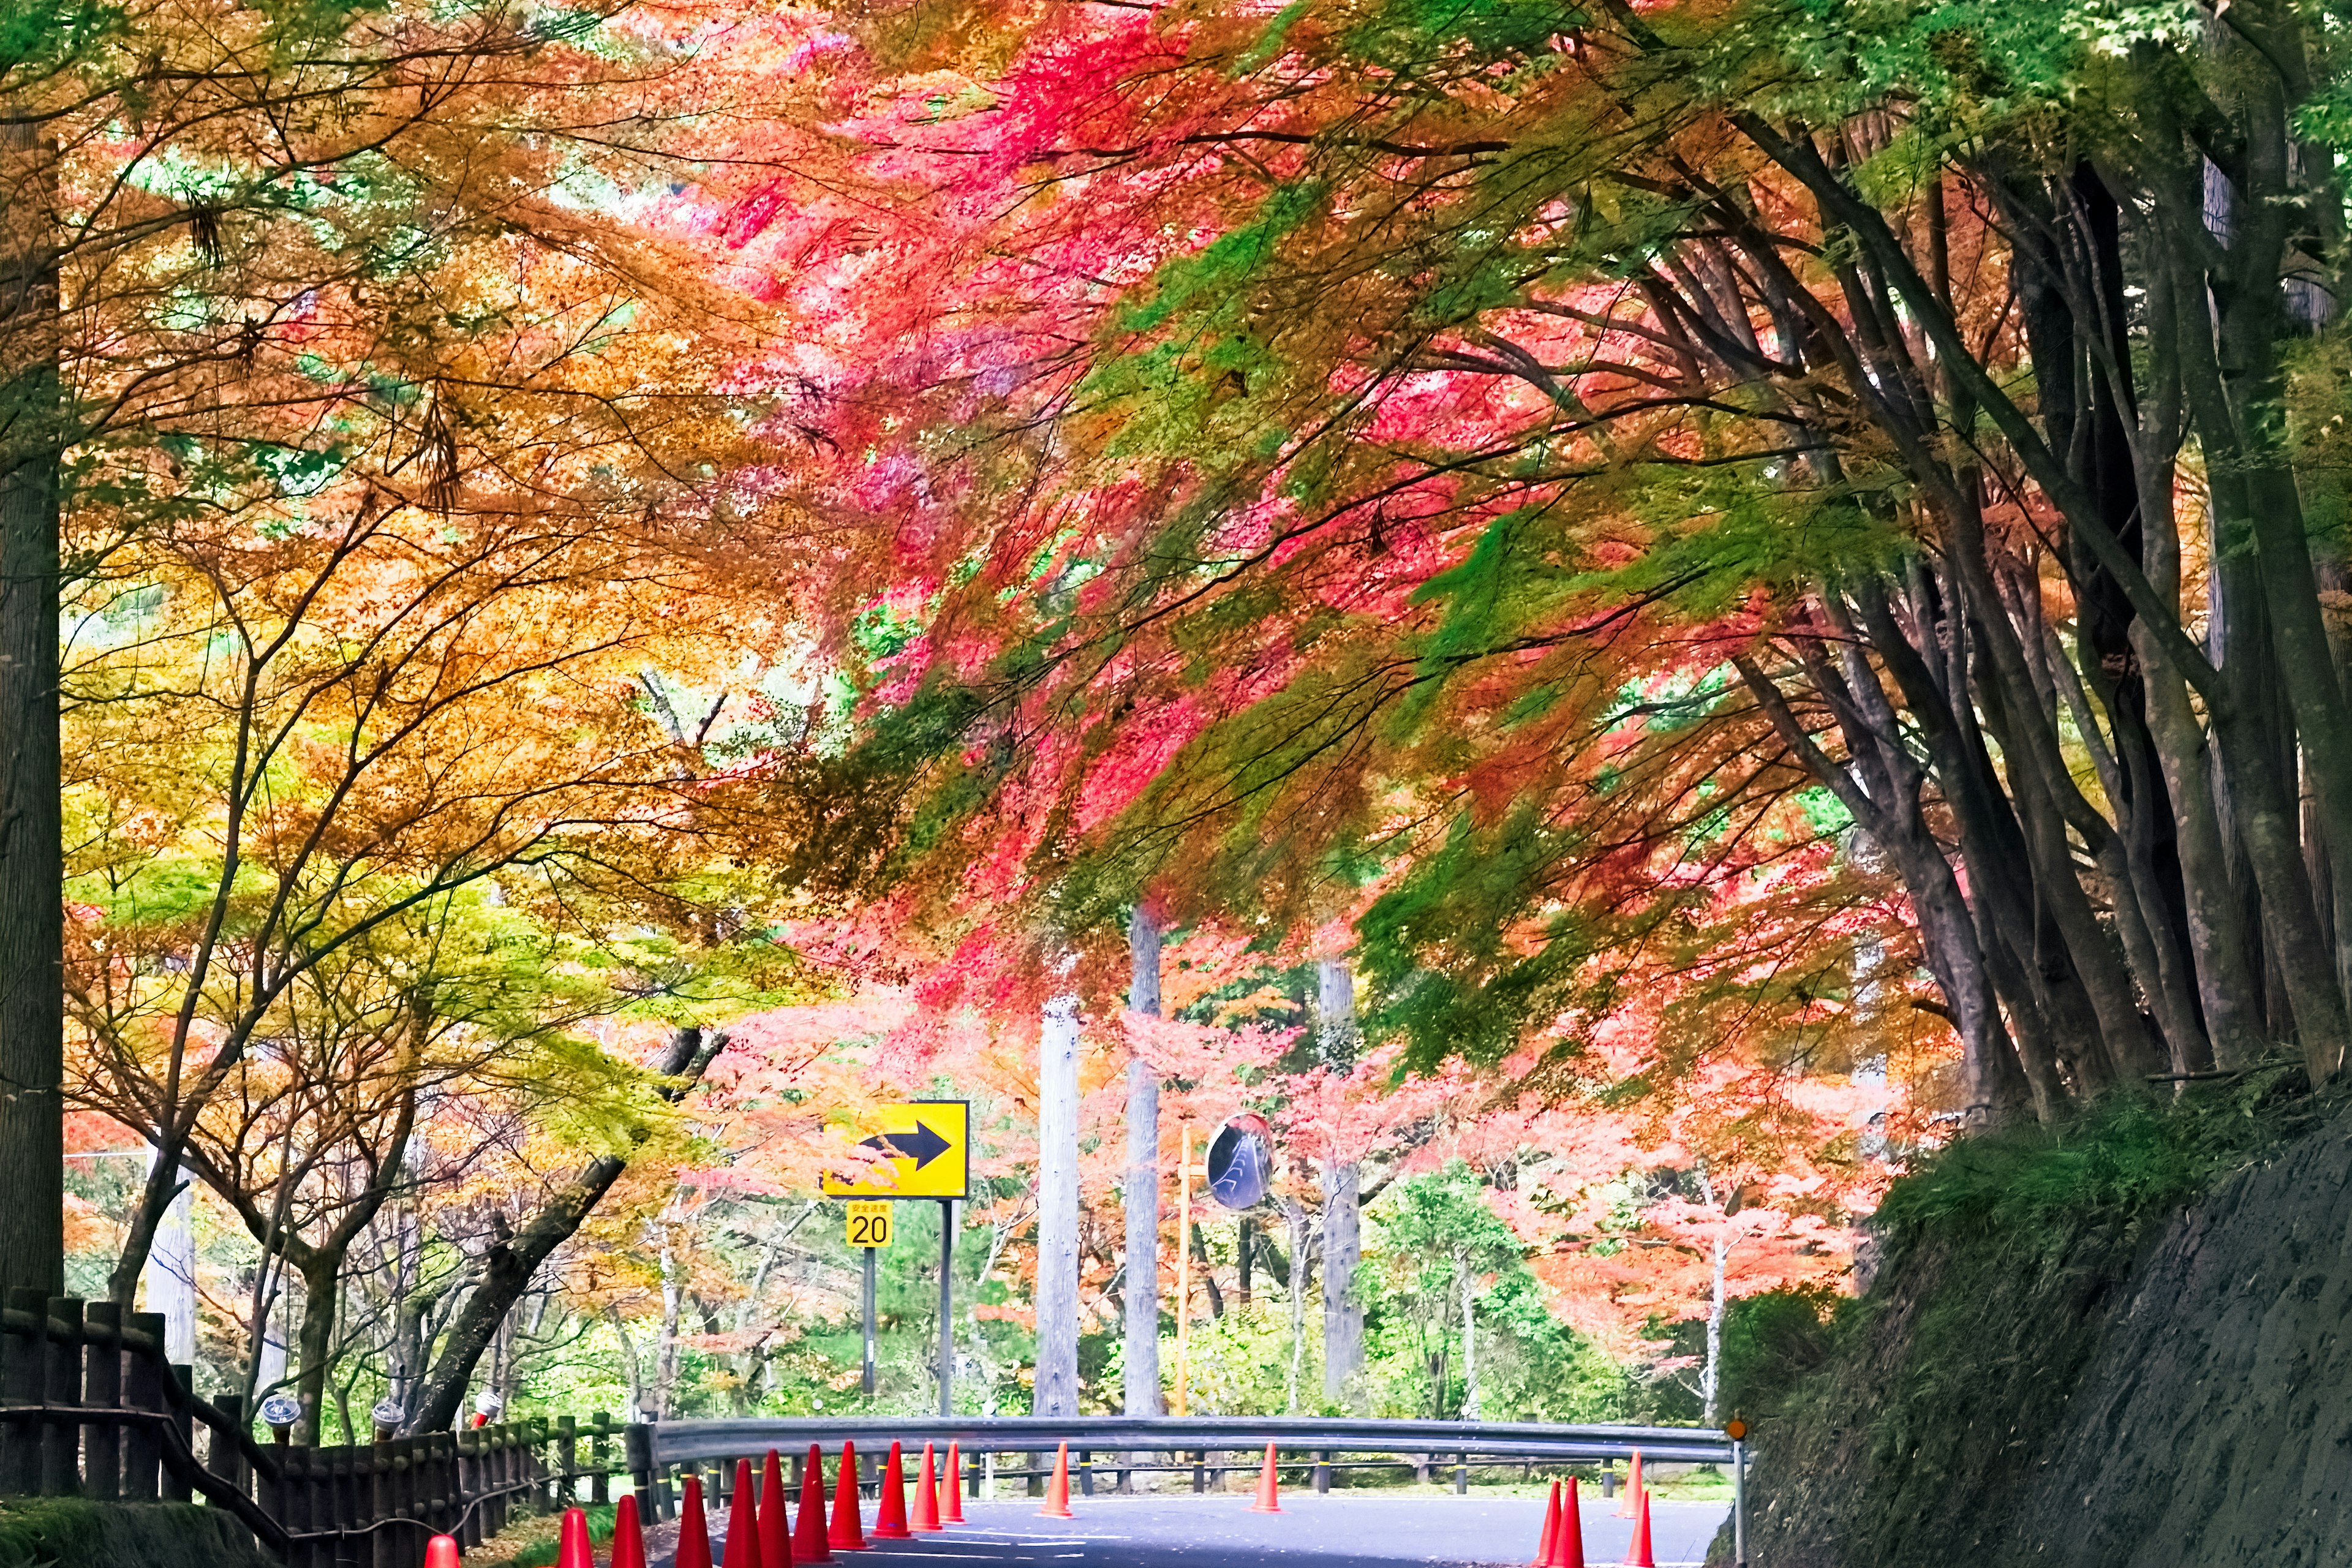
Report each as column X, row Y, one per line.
column 501, row 1443
column 600, row 1457
column 177, row 1487
column 638, row 1455
column 345, row 1479
column 23, row 1380
column 101, row 1389
column 447, row 1496
column 376, row 1505
column 293, row 1503
column 61, row 1435
column 221, row 1456
column 142, row 1389
column 566, row 1491
column 469, row 1487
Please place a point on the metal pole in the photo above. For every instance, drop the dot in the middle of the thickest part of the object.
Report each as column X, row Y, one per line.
column 1183, row 1266
column 947, row 1306
column 869, row 1297
column 1738, row 1503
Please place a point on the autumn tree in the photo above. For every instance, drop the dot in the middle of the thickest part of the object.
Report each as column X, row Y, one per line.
column 1504, row 405
column 357, row 255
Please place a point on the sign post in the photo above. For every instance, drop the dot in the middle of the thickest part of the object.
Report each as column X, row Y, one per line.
column 923, row 1150
column 947, row 1306
column 866, row 1298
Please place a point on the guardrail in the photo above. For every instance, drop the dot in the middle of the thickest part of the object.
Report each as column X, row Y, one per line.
column 660, row 1456
column 91, row 1407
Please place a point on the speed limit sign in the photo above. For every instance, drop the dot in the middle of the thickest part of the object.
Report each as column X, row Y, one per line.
column 869, row 1224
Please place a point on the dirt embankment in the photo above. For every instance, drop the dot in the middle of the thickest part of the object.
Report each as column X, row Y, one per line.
column 2175, row 1392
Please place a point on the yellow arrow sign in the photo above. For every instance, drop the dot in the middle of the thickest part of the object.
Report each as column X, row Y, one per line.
column 926, row 1146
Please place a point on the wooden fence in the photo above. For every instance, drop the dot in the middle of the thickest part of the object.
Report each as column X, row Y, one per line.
column 90, row 1409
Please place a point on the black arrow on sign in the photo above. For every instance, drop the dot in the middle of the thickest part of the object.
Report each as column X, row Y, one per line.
column 922, row 1145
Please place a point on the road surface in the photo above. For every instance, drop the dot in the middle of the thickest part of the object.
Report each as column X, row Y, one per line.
column 1338, row 1530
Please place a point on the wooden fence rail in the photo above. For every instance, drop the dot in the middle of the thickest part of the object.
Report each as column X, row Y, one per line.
column 91, row 1408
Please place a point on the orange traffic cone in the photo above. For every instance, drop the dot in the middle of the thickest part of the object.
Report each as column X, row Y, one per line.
column 953, row 1492
column 1545, row 1543
column 775, row 1525
column 1268, row 1500
column 628, row 1535
column 1633, row 1489
column 1057, row 1491
column 1568, row 1546
column 809, row 1540
column 890, row 1509
column 572, row 1546
column 441, row 1552
column 693, row 1529
column 848, row 1532
column 1638, row 1554
column 926, row 1496
column 743, row 1521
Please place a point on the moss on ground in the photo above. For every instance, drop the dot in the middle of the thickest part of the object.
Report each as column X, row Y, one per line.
column 67, row 1533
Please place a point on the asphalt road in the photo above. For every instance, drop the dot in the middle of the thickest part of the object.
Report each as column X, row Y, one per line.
column 1338, row 1530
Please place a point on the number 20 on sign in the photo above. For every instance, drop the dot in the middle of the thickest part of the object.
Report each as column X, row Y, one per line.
column 869, row 1224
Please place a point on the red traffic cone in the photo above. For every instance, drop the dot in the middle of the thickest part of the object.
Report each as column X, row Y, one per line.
column 693, row 1529
column 1626, row 1509
column 441, row 1552
column 1057, row 1491
column 1550, row 1536
column 890, row 1507
column 927, row 1497
column 1268, row 1500
column 628, row 1535
column 1638, row 1554
column 775, row 1524
column 809, row 1536
column 572, row 1546
column 743, row 1521
column 1568, row 1546
column 848, row 1532
column 953, row 1492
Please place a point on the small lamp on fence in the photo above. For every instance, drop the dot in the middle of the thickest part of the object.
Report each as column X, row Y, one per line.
column 281, row 1411
column 486, row 1406
column 386, row 1417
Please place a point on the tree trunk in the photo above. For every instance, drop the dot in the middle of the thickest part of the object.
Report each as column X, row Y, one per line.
column 170, row 1276
column 507, row 1266
column 1343, row 1315
column 1301, row 1271
column 1057, row 1391
column 32, row 858
column 1469, row 1341
column 1141, row 1356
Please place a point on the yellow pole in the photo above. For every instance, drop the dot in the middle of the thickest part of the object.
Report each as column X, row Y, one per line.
column 1183, row 1263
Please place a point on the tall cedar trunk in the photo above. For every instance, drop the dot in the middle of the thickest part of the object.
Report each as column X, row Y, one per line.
column 32, row 865
column 170, row 1278
column 1302, row 1274
column 507, row 1266
column 1056, row 1390
column 1343, row 1313
column 1141, row 1356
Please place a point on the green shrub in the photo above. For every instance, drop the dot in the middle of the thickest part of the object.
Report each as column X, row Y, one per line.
column 2126, row 1158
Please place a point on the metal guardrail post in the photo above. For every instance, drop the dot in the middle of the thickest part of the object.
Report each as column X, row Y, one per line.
column 1322, row 1471
column 1738, row 1503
